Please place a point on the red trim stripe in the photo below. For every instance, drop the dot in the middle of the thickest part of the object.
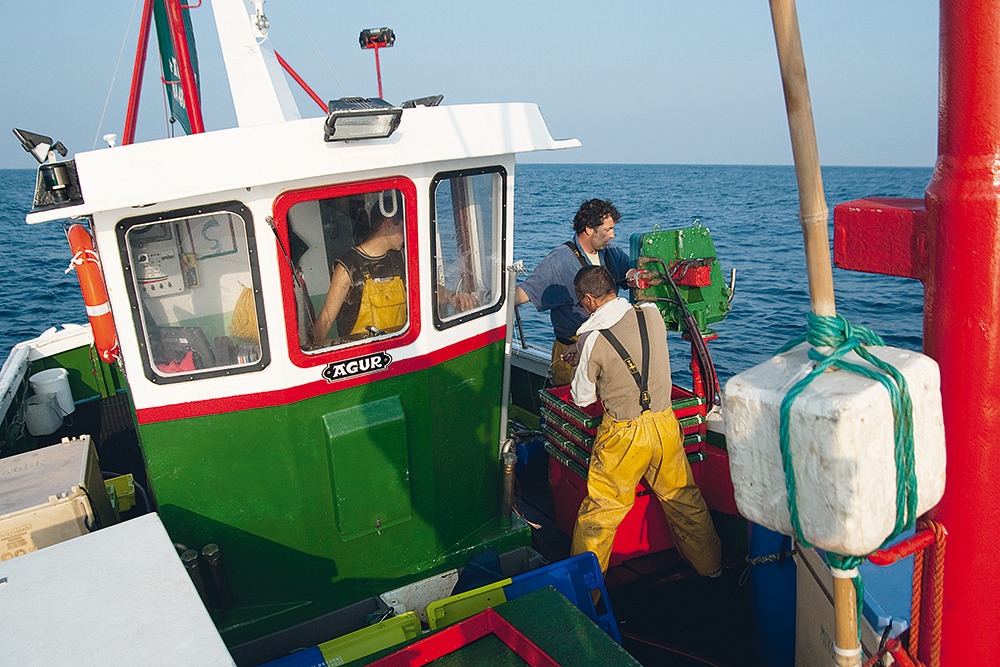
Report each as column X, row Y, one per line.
column 268, row 399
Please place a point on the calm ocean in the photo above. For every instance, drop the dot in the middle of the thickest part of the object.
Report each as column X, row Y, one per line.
column 752, row 212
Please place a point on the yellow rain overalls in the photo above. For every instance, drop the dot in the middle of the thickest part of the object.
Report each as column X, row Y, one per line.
column 383, row 305
column 649, row 446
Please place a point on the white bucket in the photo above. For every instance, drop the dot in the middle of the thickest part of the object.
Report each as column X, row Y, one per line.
column 54, row 381
column 42, row 415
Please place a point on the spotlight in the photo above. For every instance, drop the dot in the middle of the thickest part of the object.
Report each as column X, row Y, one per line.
column 352, row 118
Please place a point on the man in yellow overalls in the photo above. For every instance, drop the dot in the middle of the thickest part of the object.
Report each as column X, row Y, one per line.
column 639, row 436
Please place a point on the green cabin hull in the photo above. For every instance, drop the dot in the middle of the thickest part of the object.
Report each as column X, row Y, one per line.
column 323, row 502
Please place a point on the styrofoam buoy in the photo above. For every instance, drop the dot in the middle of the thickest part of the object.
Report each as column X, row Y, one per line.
column 842, row 447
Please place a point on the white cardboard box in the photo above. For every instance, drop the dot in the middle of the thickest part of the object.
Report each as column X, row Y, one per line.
column 51, row 495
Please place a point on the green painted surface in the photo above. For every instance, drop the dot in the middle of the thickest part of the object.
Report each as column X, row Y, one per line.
column 548, row 620
column 89, row 377
column 369, row 467
column 266, row 486
column 708, row 304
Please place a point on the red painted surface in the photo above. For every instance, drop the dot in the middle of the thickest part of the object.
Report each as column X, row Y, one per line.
column 132, row 114
column 299, row 80
column 643, row 531
column 451, row 639
column 191, row 99
column 284, row 202
column 881, row 235
column 268, row 399
column 960, row 268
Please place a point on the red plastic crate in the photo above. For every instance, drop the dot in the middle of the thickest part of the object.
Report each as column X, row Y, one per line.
column 461, row 634
column 558, row 401
column 643, row 531
column 715, row 482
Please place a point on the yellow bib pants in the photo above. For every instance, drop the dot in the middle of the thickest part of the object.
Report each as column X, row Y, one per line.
column 651, row 447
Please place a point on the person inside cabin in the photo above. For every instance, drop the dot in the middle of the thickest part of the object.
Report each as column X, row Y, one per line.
column 367, row 295
column 624, row 360
column 550, row 285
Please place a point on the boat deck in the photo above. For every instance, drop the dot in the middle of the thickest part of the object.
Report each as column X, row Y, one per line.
column 668, row 615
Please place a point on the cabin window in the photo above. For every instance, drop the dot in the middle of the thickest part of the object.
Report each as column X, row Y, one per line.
column 468, row 235
column 195, row 292
column 347, row 247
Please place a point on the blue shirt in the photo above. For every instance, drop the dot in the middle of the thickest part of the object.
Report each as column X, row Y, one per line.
column 550, row 285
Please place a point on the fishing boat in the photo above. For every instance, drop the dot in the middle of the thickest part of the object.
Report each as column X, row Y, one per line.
column 270, row 489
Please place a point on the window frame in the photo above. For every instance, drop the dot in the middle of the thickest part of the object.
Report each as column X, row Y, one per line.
column 234, row 207
column 283, row 203
column 439, row 323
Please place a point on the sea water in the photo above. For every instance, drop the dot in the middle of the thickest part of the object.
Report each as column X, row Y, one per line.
column 752, row 212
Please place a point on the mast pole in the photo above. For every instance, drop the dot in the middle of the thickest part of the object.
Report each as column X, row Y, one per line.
column 951, row 242
column 962, row 321
column 188, row 83
column 132, row 114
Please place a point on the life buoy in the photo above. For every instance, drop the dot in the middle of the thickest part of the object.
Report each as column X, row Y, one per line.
column 95, row 294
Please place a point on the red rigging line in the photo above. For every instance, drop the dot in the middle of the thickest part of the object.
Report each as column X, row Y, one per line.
column 292, row 73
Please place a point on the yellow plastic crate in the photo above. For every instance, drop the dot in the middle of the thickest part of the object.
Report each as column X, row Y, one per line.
column 374, row 638
column 458, row 607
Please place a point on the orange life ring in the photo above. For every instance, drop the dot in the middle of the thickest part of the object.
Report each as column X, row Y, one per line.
column 95, row 294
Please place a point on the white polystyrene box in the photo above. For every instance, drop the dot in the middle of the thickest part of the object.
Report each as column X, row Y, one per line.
column 841, row 439
column 116, row 596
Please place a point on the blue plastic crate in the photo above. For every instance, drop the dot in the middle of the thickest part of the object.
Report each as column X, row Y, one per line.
column 307, row 657
column 575, row 578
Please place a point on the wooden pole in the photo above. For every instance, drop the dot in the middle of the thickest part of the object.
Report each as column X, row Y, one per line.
column 813, row 212
column 814, row 217
column 846, row 647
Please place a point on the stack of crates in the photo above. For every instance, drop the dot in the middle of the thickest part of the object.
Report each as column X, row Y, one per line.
column 569, row 433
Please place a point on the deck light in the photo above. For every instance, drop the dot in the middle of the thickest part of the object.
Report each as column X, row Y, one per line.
column 39, row 146
column 372, row 38
column 57, row 183
column 377, row 38
column 351, row 118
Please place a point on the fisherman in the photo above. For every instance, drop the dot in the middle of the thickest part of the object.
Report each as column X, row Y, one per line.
column 550, row 285
column 367, row 292
column 623, row 358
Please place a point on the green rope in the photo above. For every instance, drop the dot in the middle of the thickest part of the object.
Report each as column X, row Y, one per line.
column 838, row 334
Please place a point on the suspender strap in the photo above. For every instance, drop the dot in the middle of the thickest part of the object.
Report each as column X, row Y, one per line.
column 576, row 251
column 641, row 379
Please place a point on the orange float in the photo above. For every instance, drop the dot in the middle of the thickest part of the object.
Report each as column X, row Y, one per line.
column 95, row 294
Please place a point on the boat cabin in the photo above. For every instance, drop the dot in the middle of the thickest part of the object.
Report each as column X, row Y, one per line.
column 334, row 466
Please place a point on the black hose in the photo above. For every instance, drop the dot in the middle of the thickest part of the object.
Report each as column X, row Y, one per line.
column 702, row 355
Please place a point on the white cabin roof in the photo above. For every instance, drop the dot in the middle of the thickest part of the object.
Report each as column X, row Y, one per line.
column 170, row 169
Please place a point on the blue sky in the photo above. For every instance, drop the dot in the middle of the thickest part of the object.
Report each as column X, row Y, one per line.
column 653, row 81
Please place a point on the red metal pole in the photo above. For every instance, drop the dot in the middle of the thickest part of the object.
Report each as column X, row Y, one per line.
column 191, row 101
column 962, row 321
column 378, row 73
column 299, row 80
column 132, row 114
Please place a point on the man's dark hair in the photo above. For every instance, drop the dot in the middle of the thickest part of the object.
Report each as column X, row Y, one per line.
column 594, row 280
column 592, row 214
